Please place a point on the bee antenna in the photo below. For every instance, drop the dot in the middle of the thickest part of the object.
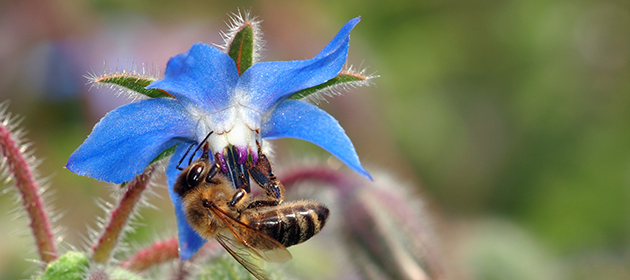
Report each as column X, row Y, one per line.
column 199, row 146
column 205, row 150
column 193, row 154
column 182, row 159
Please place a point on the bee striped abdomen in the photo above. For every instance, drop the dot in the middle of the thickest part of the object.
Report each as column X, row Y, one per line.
column 292, row 223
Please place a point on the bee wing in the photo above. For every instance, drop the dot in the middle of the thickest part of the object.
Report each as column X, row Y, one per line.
column 245, row 236
column 242, row 256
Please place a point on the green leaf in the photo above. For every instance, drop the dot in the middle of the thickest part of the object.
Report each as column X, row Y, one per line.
column 69, row 266
column 241, row 48
column 130, row 83
column 166, row 153
column 345, row 78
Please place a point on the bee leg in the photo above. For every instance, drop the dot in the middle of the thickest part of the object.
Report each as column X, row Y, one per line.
column 263, row 203
column 240, row 193
column 213, row 171
column 238, row 196
column 261, row 173
column 235, row 170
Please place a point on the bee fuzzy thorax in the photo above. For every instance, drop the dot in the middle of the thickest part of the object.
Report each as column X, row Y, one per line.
column 197, row 199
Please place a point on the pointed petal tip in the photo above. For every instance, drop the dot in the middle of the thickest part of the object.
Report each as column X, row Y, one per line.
column 353, row 22
column 301, row 120
column 358, row 168
column 128, row 138
column 70, row 166
column 366, row 175
column 269, row 82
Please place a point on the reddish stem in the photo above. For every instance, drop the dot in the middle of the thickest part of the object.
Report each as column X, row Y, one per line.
column 158, row 252
column 120, row 216
column 29, row 191
column 336, row 179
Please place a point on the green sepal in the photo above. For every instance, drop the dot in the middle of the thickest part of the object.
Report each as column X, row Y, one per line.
column 344, row 78
column 241, row 48
column 69, row 266
column 166, row 153
column 132, row 83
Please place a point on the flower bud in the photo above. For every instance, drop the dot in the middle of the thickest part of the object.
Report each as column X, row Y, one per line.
column 387, row 233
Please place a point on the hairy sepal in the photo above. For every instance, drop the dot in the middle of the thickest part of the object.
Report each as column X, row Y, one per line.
column 345, row 80
column 130, row 84
column 242, row 48
column 243, row 40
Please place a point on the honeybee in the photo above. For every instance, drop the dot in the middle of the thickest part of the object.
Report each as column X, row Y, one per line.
column 245, row 226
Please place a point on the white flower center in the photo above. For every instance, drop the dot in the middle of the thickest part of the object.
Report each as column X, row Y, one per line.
column 236, row 125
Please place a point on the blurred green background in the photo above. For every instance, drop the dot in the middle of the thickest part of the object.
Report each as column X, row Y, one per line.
column 512, row 118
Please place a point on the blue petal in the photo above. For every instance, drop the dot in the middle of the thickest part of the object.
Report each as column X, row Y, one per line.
column 268, row 82
column 189, row 241
column 342, row 35
column 202, row 77
column 298, row 119
column 128, row 138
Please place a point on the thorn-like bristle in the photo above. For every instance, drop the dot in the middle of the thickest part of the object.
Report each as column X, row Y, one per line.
column 110, row 227
column 140, row 72
column 19, row 168
column 235, row 23
column 335, row 90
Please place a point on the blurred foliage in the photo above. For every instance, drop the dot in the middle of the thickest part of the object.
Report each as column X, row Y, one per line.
column 71, row 265
column 517, row 109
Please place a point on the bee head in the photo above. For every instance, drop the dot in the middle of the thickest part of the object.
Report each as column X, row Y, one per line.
column 196, row 173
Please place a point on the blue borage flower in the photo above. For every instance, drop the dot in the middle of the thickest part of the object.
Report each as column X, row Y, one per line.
column 209, row 90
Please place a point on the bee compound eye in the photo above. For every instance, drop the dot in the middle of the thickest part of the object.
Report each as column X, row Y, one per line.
column 194, row 174
column 206, row 203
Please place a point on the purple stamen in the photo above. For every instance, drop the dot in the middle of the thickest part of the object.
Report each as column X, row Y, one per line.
column 254, row 155
column 222, row 163
column 242, row 155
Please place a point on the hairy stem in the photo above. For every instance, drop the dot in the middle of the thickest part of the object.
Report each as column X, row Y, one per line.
column 120, row 216
column 341, row 182
column 29, row 191
column 158, row 252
